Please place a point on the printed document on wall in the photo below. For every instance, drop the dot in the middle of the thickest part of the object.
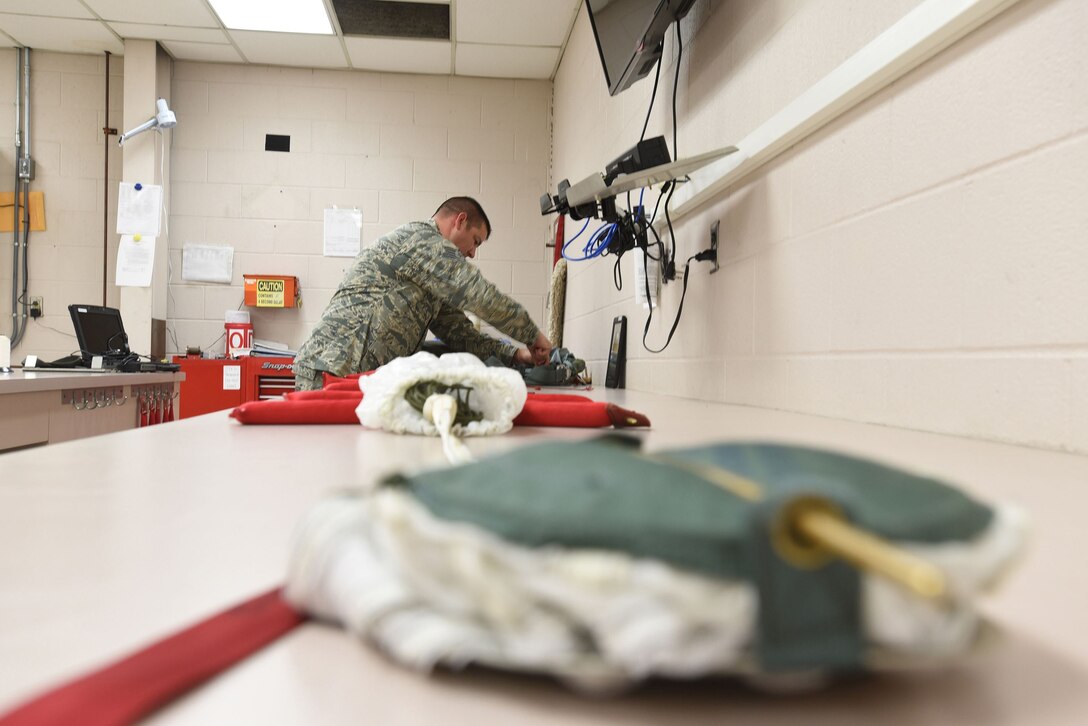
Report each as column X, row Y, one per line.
column 138, row 208
column 343, row 230
column 135, row 261
column 206, row 263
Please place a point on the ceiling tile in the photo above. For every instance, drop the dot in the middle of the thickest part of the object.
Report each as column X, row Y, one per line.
column 194, row 13
column 52, row 8
column 65, row 35
column 190, row 30
column 515, row 22
column 400, row 55
column 506, row 61
column 169, row 32
column 208, row 52
column 290, row 49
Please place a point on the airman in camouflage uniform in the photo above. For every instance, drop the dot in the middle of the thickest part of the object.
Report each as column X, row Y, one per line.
column 413, row 279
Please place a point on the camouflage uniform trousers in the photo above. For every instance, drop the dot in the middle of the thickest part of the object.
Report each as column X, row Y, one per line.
column 307, row 379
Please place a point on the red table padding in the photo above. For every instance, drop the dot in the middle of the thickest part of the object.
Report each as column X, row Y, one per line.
column 324, row 395
column 577, row 414
column 313, row 411
column 332, row 406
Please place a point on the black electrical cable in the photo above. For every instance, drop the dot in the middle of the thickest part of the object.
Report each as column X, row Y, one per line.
column 675, row 83
column 653, row 96
column 664, row 188
column 659, row 244
column 679, row 311
column 670, row 267
column 670, row 264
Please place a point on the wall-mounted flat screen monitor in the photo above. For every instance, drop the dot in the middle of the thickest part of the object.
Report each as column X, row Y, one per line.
column 629, row 35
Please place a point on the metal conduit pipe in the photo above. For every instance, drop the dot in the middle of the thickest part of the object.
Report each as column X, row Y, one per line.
column 106, row 130
column 26, row 103
column 15, row 266
column 23, row 172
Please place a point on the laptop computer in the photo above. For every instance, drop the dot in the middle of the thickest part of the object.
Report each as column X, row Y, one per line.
column 100, row 332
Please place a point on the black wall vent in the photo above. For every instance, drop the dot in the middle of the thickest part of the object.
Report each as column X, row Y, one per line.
column 275, row 142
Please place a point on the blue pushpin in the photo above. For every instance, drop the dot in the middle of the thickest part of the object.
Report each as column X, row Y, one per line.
column 139, row 186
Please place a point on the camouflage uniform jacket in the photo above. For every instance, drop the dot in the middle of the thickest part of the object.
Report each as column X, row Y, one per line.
column 409, row 281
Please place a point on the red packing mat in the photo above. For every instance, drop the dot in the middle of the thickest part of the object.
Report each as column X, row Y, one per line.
column 313, row 411
column 338, row 407
column 324, row 395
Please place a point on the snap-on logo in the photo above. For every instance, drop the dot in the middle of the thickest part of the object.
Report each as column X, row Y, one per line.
column 276, row 366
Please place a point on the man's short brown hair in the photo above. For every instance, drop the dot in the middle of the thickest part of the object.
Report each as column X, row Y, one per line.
column 468, row 205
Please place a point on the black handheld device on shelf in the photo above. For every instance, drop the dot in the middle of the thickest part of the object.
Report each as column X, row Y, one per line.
column 616, row 373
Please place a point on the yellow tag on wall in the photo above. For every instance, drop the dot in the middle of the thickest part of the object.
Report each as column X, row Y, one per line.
column 270, row 293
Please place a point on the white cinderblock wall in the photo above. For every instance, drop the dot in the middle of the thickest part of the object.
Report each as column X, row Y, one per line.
column 392, row 145
column 66, row 260
column 922, row 261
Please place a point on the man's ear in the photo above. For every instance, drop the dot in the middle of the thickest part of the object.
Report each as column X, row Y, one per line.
column 460, row 221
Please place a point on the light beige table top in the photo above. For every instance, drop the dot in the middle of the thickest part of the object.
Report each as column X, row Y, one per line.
column 108, row 543
column 28, row 381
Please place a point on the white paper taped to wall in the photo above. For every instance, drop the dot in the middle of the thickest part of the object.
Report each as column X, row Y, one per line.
column 138, row 208
column 135, row 261
column 343, row 228
column 205, row 263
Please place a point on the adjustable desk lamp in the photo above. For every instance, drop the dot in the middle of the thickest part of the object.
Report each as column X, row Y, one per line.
column 164, row 118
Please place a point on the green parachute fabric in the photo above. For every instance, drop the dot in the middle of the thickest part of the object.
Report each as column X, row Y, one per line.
column 606, row 494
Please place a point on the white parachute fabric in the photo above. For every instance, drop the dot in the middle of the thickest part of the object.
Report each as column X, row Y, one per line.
column 497, row 393
column 429, row 591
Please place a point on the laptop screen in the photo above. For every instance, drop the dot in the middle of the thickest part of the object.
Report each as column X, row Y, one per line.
column 99, row 332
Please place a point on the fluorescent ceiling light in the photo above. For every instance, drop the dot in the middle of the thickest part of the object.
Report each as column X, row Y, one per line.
column 281, row 16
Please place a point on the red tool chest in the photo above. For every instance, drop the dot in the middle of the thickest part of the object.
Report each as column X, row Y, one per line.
column 214, row 385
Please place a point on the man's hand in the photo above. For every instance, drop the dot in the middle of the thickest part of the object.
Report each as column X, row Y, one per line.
column 541, row 349
column 537, row 354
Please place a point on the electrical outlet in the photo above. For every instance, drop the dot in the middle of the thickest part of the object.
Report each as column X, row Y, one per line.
column 714, row 244
column 36, row 307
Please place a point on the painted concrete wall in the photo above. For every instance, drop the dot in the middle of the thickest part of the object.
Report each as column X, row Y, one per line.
column 919, row 262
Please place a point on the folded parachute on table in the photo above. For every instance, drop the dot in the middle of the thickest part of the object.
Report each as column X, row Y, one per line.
column 380, row 400
column 602, row 565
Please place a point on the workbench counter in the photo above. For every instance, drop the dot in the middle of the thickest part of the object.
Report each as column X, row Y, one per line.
column 42, row 407
column 107, row 544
